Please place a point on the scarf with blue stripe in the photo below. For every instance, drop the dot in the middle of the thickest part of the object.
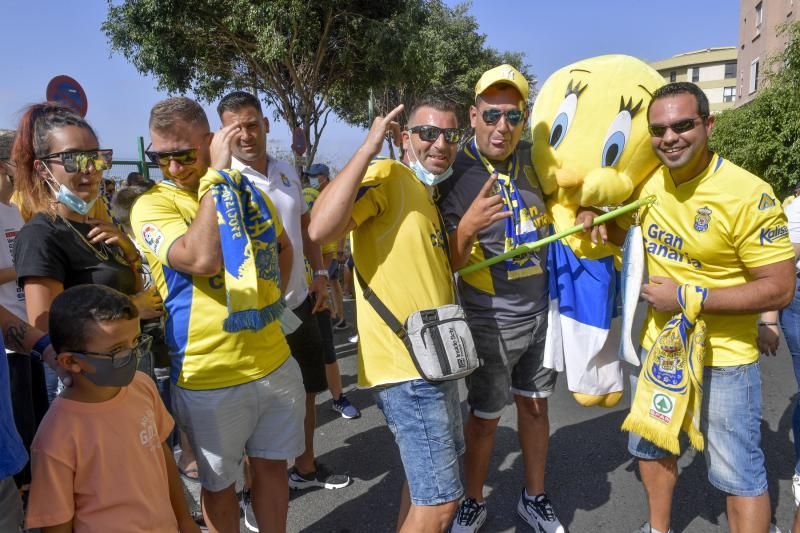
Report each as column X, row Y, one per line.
column 669, row 393
column 520, row 228
column 249, row 250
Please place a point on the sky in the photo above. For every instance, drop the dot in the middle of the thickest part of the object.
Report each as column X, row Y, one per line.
column 552, row 34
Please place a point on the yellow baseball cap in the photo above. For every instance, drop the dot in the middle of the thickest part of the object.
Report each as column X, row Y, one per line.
column 503, row 74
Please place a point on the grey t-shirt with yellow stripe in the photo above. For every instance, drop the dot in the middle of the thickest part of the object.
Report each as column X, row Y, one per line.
column 488, row 296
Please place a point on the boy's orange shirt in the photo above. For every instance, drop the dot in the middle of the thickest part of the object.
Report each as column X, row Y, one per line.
column 102, row 464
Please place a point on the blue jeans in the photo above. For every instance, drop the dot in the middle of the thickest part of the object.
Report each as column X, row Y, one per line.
column 731, row 424
column 425, row 419
column 790, row 324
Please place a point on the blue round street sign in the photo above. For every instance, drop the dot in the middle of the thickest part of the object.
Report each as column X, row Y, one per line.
column 65, row 90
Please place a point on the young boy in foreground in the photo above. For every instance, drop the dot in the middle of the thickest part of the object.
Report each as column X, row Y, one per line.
column 99, row 460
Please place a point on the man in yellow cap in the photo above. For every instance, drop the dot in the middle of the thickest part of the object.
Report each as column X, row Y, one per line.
column 492, row 203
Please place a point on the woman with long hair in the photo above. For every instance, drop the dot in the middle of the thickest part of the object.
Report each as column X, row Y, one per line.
column 59, row 171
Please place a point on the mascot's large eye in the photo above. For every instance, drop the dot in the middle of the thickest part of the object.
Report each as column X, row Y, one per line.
column 618, row 133
column 564, row 116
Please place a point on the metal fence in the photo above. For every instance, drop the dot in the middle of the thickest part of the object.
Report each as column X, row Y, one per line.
column 120, row 168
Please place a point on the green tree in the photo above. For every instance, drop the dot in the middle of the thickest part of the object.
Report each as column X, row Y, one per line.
column 440, row 51
column 292, row 52
column 305, row 59
column 763, row 136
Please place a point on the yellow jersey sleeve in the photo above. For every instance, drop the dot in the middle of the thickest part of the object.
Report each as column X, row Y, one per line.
column 157, row 224
column 761, row 232
column 371, row 197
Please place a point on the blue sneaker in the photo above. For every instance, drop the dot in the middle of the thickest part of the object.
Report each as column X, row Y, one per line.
column 345, row 408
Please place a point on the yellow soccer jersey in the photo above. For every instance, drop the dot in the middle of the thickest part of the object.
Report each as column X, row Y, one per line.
column 203, row 355
column 399, row 250
column 709, row 232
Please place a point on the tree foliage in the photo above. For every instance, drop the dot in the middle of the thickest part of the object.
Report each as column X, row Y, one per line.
column 763, row 136
column 440, row 50
column 305, row 59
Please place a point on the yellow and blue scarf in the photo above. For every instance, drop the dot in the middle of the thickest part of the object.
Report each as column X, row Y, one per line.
column 520, row 227
column 249, row 251
column 669, row 393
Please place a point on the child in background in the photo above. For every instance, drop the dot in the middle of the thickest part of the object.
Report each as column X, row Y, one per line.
column 99, row 459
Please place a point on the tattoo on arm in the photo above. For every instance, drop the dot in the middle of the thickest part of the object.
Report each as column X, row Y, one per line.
column 15, row 336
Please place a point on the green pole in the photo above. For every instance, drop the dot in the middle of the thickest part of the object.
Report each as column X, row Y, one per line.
column 142, row 162
column 529, row 247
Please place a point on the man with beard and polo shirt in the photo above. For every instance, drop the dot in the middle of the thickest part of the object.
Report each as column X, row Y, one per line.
column 279, row 180
column 493, row 203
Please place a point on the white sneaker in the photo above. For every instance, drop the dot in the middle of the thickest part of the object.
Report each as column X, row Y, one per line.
column 470, row 517
column 538, row 513
column 796, row 489
column 647, row 529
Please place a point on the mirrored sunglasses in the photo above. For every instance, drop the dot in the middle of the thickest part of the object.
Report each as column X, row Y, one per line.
column 75, row 161
column 492, row 116
column 182, row 157
column 431, row 133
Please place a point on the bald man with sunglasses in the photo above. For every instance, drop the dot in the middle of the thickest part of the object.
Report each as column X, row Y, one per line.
column 492, row 203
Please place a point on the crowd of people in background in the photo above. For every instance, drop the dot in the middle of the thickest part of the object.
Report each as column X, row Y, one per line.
column 197, row 314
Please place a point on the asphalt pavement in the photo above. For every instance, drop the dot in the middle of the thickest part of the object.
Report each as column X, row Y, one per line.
column 591, row 478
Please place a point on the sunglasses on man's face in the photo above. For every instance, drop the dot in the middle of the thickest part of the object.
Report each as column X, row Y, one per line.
column 431, row 133
column 182, row 157
column 75, row 161
column 682, row 126
column 492, row 116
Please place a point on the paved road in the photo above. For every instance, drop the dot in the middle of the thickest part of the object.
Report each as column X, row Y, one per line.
column 591, row 478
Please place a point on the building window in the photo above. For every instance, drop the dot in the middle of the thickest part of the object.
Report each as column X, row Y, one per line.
column 754, row 76
column 759, row 16
column 673, row 76
column 695, row 74
column 730, row 70
column 728, row 93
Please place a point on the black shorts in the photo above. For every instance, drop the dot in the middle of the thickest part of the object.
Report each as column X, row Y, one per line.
column 307, row 349
column 326, row 330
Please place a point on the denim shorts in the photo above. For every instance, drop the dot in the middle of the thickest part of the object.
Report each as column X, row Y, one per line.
column 425, row 419
column 263, row 418
column 731, row 425
column 512, row 360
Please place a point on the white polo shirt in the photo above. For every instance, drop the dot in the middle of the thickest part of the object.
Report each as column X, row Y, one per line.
column 282, row 185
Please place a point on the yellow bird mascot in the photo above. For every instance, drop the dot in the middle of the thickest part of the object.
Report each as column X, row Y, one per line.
column 591, row 148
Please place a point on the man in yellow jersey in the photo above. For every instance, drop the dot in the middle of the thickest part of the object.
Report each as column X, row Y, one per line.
column 493, row 203
column 397, row 235
column 233, row 392
column 716, row 226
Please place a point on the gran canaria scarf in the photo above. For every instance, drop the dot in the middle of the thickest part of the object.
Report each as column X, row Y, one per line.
column 249, row 250
column 669, row 393
column 520, row 227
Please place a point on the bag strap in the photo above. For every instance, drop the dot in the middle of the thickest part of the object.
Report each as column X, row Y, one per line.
column 382, row 310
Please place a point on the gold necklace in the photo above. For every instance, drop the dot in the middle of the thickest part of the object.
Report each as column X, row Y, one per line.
column 102, row 255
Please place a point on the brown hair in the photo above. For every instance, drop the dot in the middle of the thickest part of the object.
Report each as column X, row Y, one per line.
column 178, row 108
column 32, row 142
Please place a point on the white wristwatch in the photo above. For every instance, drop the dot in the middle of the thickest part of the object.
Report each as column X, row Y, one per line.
column 322, row 272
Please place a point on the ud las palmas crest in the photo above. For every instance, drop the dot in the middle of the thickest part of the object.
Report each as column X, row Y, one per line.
column 702, row 219
column 668, row 370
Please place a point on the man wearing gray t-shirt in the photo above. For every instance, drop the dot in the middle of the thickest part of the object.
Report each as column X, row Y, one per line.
column 491, row 204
